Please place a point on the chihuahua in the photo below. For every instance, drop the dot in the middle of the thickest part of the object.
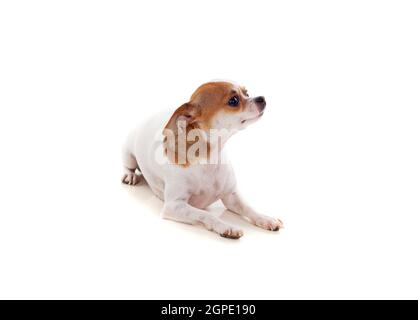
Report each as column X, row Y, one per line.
column 181, row 156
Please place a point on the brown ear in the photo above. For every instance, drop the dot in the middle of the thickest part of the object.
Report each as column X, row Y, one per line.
column 185, row 115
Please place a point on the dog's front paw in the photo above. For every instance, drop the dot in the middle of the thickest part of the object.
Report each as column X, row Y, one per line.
column 268, row 223
column 228, row 231
column 131, row 178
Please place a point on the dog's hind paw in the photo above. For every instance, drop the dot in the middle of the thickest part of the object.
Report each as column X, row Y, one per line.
column 131, row 178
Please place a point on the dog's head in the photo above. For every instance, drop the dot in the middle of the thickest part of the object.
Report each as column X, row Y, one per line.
column 217, row 107
column 220, row 105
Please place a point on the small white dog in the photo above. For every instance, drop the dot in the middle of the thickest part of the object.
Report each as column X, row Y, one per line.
column 181, row 157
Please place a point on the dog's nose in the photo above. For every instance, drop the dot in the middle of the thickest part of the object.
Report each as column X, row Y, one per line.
column 261, row 103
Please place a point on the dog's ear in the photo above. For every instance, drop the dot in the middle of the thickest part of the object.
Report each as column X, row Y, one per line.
column 185, row 116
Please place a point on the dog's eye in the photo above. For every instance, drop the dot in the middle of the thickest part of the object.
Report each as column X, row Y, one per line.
column 234, row 101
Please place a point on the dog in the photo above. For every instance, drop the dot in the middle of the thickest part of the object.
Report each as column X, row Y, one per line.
column 181, row 156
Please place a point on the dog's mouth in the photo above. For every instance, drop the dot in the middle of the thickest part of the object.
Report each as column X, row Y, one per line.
column 253, row 118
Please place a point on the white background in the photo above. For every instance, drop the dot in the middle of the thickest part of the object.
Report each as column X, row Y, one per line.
column 335, row 156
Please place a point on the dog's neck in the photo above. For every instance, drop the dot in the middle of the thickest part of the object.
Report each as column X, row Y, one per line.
column 193, row 144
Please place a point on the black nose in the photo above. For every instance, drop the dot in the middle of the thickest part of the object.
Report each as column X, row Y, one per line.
column 261, row 102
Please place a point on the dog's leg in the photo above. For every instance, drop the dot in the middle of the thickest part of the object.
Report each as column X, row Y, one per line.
column 181, row 211
column 129, row 166
column 234, row 203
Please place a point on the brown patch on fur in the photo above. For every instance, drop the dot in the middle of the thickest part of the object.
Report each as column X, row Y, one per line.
column 208, row 100
column 189, row 114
